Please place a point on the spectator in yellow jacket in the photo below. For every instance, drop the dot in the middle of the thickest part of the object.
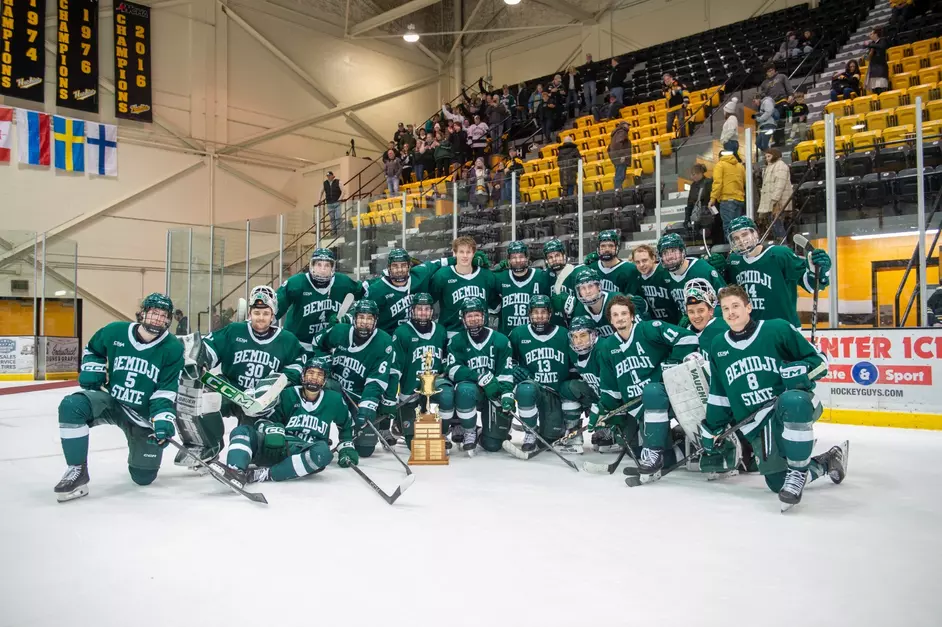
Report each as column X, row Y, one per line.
column 728, row 194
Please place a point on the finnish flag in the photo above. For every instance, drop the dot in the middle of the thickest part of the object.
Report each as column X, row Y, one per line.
column 102, row 148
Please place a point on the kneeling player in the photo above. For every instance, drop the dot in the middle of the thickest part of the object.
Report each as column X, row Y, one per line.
column 139, row 366
column 293, row 441
column 413, row 343
column 765, row 372
column 539, row 349
column 581, row 391
column 481, row 366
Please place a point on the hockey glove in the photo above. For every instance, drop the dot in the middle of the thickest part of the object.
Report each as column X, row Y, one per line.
column 821, row 263
column 708, row 437
column 564, row 302
column 92, row 380
column 641, row 306
column 590, row 258
column 491, row 386
column 503, row 264
column 684, row 322
column 795, row 375
column 718, row 262
column 164, row 428
column 389, row 407
column 273, row 438
column 345, row 319
column 480, row 260
column 365, row 414
column 507, row 404
column 414, row 262
column 347, row 455
column 521, row 374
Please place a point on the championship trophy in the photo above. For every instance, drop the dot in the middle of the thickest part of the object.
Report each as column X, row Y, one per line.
column 428, row 443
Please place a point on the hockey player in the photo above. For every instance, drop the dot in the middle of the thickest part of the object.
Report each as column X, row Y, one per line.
column 630, row 367
column 247, row 354
column 392, row 292
column 700, row 300
column 655, row 285
column 591, row 300
column 293, row 441
column 310, row 298
column 617, row 275
column 412, row 342
column 540, row 351
column 360, row 356
column 580, row 392
column 673, row 255
column 129, row 377
column 516, row 285
column 771, row 274
column 481, row 367
column 765, row 371
column 452, row 285
column 554, row 253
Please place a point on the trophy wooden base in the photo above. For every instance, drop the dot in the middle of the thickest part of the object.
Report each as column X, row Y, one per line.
column 428, row 444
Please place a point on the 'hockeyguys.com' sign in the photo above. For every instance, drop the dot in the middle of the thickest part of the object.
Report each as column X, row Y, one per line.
column 882, row 369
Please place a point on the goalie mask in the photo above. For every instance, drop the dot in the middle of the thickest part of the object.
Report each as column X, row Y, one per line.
column 582, row 335
column 399, row 264
column 321, row 267
column 588, row 287
column 518, row 255
column 473, row 313
column 421, row 312
column 608, row 245
column 540, row 310
column 699, row 302
column 743, row 235
column 555, row 254
column 365, row 314
column 263, row 307
column 156, row 311
column 671, row 251
column 316, row 372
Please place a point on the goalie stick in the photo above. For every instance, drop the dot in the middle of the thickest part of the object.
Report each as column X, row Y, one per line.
column 609, row 469
column 345, row 306
column 802, row 241
column 255, row 497
column 563, row 275
column 251, row 406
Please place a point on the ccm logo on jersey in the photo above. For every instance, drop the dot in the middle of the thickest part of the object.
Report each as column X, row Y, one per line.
column 242, row 340
column 121, row 344
column 722, row 354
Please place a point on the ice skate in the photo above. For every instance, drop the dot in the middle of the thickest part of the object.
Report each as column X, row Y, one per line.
column 186, row 458
column 529, row 443
column 835, row 461
column 651, row 461
column 470, row 442
column 790, row 494
column 572, row 442
column 257, row 475
column 604, row 442
column 73, row 485
column 388, row 437
column 231, row 474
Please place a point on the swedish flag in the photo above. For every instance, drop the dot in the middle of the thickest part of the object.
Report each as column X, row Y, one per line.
column 69, row 136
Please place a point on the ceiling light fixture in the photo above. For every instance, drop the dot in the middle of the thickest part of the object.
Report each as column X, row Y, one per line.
column 511, row 2
column 411, row 36
column 858, row 238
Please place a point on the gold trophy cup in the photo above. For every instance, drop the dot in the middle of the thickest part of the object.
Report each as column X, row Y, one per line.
column 428, row 443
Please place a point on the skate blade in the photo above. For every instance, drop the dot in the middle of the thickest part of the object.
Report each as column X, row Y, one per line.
column 64, row 497
column 787, row 506
column 714, row 476
column 569, row 450
column 845, row 446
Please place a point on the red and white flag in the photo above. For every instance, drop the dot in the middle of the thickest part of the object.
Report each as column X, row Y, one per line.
column 6, row 134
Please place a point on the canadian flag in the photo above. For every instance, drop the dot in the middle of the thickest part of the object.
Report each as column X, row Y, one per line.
column 6, row 134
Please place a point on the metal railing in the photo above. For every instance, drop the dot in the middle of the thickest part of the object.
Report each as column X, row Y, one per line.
column 900, row 319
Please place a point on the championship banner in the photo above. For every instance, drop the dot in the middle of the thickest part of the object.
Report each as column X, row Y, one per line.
column 17, row 358
column 132, row 99
column 897, row 370
column 22, row 53
column 77, row 54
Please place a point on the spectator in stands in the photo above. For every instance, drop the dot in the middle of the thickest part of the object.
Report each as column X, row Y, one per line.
column 677, row 97
column 536, row 101
column 697, row 213
column 407, row 138
column 400, row 131
column 846, row 84
column 608, row 111
column 805, row 42
column 478, row 184
column 390, row 146
column 450, row 115
column 330, row 194
column 776, row 191
column 510, row 103
column 548, row 116
column 431, row 122
column 406, row 160
column 729, row 136
column 477, row 136
column 777, row 87
column 728, row 192
column 513, row 164
column 799, row 113
column 616, row 80
column 497, row 117
column 183, row 322
column 521, row 108
column 573, row 87
column 443, row 154
column 901, row 11
column 567, row 159
column 460, row 146
column 789, row 48
column 393, row 170
column 619, row 152
column 878, row 69
column 767, row 117
column 421, row 158
column 589, row 74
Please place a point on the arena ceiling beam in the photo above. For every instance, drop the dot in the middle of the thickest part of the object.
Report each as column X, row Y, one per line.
column 245, row 178
column 390, row 16
column 564, row 7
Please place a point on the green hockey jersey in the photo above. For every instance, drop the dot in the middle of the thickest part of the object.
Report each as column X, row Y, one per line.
column 409, row 350
column 244, row 359
column 361, row 369
column 515, row 296
column 622, row 278
column 715, row 326
column 141, row 377
column 307, row 309
column 586, row 367
column 656, row 289
column 771, row 279
column 602, row 325
column 744, row 375
column 696, row 269
column 449, row 288
column 569, row 285
column 472, row 361
column 544, row 356
column 306, row 421
column 395, row 302
column 628, row 365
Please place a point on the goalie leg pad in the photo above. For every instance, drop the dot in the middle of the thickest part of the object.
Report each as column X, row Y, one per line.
column 552, row 422
column 688, row 387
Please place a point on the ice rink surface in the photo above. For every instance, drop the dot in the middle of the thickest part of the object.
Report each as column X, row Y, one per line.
column 486, row 541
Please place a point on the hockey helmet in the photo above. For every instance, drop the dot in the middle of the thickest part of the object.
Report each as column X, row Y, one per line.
column 610, row 236
column 151, row 317
column 398, row 273
column 518, row 248
column 540, row 302
column 743, row 235
column 263, row 296
column 423, row 300
column 551, row 248
column 671, row 241
column 699, row 291
column 315, row 374
column 588, row 277
column 324, row 277
column 472, row 304
column 361, row 309
column 582, row 335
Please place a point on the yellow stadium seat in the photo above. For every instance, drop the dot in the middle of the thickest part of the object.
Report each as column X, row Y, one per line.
column 593, row 184
column 867, row 140
column 585, row 144
column 838, row 108
column 936, row 43
column 911, row 64
column 932, row 130
column 891, row 99
column 528, row 180
column 921, row 48
column 664, row 141
column 532, row 194
column 846, row 125
column 591, row 155
column 549, row 150
column 548, row 163
column 807, row 149
column 864, row 104
column 585, row 120
column 935, row 58
column 896, row 53
column 817, row 130
column 552, row 177
column 906, row 115
column 568, row 133
column 551, row 191
column 929, row 75
column 531, row 166
column 934, row 110
column 901, row 81
column 895, row 135
column 660, row 105
column 921, row 91
column 879, row 120
column 645, row 161
column 608, row 167
column 643, row 145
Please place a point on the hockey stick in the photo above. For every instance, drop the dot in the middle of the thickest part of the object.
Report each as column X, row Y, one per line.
column 382, row 440
column 256, row 497
column 802, row 241
column 542, row 441
column 563, row 275
column 230, row 392
column 601, row 421
column 389, row 498
column 599, row 469
column 241, row 310
column 345, row 306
